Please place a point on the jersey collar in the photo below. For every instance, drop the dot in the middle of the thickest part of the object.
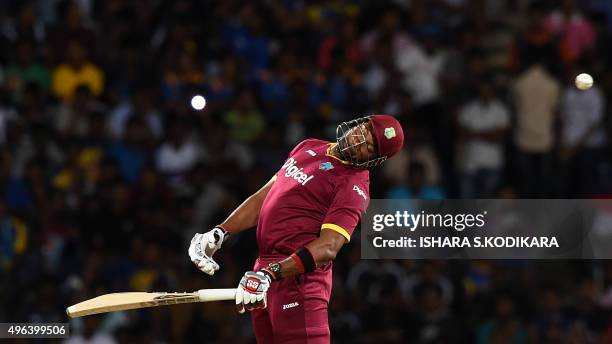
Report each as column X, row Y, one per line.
column 328, row 153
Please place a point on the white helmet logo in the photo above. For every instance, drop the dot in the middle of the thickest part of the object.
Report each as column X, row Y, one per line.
column 390, row 133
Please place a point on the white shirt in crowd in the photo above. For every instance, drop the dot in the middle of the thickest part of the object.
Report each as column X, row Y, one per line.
column 173, row 159
column 420, row 73
column 481, row 117
column 579, row 111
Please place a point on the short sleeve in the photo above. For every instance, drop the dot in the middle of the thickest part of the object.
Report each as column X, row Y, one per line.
column 297, row 148
column 351, row 198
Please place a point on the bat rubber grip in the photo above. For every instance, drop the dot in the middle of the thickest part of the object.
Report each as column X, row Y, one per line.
column 216, row 294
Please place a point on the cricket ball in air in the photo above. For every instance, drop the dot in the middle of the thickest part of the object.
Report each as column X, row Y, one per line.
column 584, row 81
column 198, row 102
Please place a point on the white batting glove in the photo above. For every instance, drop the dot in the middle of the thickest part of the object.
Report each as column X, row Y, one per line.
column 203, row 246
column 252, row 290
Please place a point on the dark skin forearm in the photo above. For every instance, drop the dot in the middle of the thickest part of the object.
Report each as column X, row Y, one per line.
column 323, row 249
column 247, row 213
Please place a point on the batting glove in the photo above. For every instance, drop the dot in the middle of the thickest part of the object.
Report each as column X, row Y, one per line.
column 252, row 290
column 203, row 246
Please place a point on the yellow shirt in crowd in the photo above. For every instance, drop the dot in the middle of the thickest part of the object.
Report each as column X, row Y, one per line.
column 66, row 79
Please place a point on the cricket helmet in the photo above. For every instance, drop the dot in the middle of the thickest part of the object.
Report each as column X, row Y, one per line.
column 387, row 133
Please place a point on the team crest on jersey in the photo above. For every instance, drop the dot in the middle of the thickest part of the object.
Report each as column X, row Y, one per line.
column 326, row 166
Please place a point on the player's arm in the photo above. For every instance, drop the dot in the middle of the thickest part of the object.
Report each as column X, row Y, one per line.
column 204, row 246
column 247, row 213
column 251, row 291
column 322, row 250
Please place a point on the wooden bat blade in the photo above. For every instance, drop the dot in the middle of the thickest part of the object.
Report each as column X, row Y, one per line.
column 134, row 300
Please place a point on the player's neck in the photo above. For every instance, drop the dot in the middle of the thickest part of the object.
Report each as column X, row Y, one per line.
column 334, row 151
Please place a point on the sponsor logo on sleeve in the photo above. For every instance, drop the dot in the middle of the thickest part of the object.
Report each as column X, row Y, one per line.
column 311, row 152
column 360, row 192
column 293, row 171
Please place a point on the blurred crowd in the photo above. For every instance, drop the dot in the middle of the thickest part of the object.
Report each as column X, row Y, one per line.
column 106, row 171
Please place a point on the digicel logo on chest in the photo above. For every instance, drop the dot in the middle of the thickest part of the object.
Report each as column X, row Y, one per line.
column 292, row 171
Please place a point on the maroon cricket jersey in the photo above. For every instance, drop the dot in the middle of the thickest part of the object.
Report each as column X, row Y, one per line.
column 313, row 191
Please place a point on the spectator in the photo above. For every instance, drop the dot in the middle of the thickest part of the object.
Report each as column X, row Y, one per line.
column 483, row 123
column 435, row 323
column 552, row 324
column 428, row 274
column 179, row 154
column 141, row 103
column 273, row 91
column 418, row 148
column 180, row 71
column 223, row 78
column 576, row 33
column 296, row 129
column 389, row 29
column 24, row 26
column 343, row 47
column 420, row 64
column 588, row 319
column 245, row 121
column 91, row 333
column 505, row 327
column 378, row 70
column 69, row 30
column 416, row 186
column 583, row 139
column 7, row 115
column 533, row 40
column 74, row 119
column 536, row 98
column 247, row 39
column 132, row 152
column 77, row 70
column 25, row 70
column 13, row 238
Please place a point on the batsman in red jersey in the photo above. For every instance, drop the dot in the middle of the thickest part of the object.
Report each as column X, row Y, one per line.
column 304, row 215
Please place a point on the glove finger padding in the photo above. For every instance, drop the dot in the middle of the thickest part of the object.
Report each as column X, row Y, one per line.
column 208, row 266
column 260, row 303
column 253, row 299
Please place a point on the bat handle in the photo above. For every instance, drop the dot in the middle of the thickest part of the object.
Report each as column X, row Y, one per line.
column 216, row 294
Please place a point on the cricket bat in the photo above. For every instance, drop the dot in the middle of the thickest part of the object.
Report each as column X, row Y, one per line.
column 134, row 300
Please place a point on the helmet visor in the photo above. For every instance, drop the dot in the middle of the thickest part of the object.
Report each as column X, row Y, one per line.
column 352, row 137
